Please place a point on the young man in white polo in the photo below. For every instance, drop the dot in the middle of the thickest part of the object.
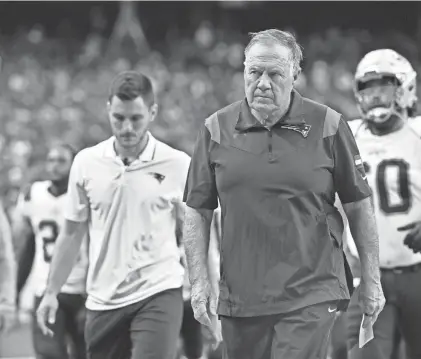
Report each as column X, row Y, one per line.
column 126, row 190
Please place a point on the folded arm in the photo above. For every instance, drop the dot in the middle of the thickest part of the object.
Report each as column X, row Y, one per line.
column 24, row 243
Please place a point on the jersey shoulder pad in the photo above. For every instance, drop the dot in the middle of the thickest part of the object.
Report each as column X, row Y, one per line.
column 356, row 126
column 39, row 188
column 415, row 124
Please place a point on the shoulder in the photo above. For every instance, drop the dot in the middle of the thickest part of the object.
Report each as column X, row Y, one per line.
column 223, row 117
column 310, row 104
column 356, row 126
column 35, row 188
column 415, row 124
column 231, row 109
column 172, row 153
column 91, row 153
column 332, row 121
column 316, row 109
column 225, row 113
column 321, row 116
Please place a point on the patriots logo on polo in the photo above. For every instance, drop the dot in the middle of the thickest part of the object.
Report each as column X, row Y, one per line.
column 303, row 128
column 359, row 164
column 157, row 176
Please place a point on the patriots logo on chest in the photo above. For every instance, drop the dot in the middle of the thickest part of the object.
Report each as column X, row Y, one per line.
column 159, row 177
column 303, row 129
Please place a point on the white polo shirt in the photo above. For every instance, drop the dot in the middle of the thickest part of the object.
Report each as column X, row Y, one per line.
column 133, row 251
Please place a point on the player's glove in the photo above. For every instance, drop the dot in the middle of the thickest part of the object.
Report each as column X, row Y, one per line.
column 413, row 238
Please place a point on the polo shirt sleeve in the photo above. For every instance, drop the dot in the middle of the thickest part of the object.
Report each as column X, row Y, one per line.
column 183, row 174
column 77, row 205
column 200, row 190
column 348, row 174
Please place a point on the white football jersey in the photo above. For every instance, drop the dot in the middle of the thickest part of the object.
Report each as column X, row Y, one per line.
column 393, row 168
column 45, row 212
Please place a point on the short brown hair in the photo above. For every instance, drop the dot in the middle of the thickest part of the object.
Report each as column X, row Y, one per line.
column 129, row 85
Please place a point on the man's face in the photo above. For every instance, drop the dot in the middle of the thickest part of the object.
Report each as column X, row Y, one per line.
column 59, row 162
column 377, row 93
column 130, row 120
column 268, row 78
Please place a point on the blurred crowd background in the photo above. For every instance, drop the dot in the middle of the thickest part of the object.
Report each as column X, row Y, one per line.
column 58, row 58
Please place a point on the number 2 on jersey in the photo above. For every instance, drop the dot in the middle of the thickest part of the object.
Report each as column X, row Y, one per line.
column 49, row 231
column 403, row 191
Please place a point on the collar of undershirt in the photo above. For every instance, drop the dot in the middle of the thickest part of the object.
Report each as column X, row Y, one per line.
column 146, row 155
column 294, row 116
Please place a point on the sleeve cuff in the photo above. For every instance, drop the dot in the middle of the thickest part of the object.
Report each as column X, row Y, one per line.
column 359, row 197
column 197, row 204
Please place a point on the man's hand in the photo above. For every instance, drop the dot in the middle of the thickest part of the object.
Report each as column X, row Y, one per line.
column 46, row 313
column 372, row 300
column 413, row 238
column 204, row 302
column 8, row 318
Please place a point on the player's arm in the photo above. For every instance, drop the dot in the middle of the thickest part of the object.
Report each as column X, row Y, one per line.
column 7, row 264
column 212, row 257
column 201, row 199
column 75, row 227
column 355, row 195
column 66, row 251
column 23, row 238
column 363, row 228
column 196, row 235
column 179, row 209
column 213, row 252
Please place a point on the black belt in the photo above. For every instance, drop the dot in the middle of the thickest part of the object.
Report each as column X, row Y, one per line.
column 406, row 269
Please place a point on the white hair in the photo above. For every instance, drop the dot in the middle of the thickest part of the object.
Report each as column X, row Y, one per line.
column 283, row 38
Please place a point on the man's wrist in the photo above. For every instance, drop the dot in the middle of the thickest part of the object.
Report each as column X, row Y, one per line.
column 51, row 292
column 201, row 278
column 368, row 276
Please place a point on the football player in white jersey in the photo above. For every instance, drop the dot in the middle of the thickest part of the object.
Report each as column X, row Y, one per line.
column 389, row 140
column 39, row 217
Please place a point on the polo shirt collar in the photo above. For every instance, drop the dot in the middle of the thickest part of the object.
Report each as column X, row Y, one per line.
column 146, row 155
column 294, row 116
